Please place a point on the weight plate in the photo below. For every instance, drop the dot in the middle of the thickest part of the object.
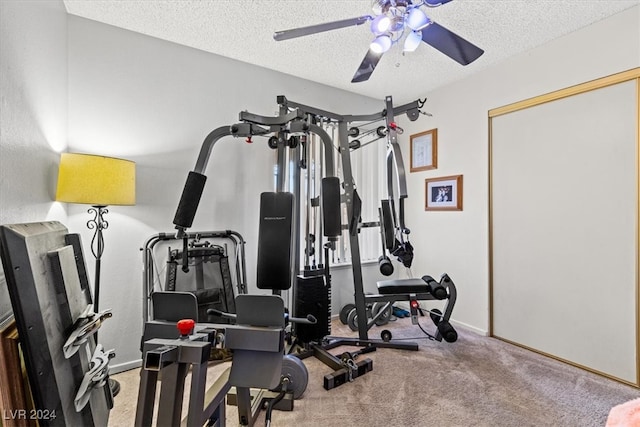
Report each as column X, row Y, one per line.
column 297, row 372
column 384, row 317
column 345, row 312
column 352, row 320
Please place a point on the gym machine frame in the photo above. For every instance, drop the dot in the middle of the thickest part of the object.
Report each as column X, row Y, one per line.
column 148, row 278
column 394, row 162
column 290, row 121
column 263, row 343
column 182, row 354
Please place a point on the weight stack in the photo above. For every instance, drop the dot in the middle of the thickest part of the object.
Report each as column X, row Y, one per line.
column 313, row 297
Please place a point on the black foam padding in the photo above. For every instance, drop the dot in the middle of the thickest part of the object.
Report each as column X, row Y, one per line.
column 189, row 200
column 313, row 297
column 438, row 291
column 387, row 225
column 436, row 316
column 385, row 265
column 331, row 213
column 355, row 216
column 274, row 241
column 435, row 288
column 446, row 330
column 402, row 286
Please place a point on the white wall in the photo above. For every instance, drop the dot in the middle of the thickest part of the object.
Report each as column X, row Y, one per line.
column 153, row 102
column 33, row 112
column 457, row 242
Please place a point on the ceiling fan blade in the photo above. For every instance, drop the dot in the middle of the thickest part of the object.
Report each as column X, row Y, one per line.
column 319, row 28
column 451, row 44
column 367, row 66
column 435, row 3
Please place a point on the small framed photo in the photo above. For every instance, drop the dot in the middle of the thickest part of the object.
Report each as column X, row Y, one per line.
column 443, row 194
column 424, row 150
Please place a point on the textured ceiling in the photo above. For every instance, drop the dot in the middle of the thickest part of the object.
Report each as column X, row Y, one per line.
column 243, row 30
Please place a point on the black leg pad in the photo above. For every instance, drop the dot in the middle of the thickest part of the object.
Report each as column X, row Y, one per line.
column 446, row 330
column 385, row 265
column 434, row 288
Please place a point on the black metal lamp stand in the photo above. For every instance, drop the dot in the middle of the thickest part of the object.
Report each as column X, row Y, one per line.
column 97, row 248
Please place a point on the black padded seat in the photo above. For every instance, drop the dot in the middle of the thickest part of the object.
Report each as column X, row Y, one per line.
column 402, row 286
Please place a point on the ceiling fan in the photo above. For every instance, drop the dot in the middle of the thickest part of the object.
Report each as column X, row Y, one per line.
column 393, row 20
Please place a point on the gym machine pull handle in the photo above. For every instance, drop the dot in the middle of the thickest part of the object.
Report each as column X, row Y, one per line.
column 222, row 313
column 309, row 320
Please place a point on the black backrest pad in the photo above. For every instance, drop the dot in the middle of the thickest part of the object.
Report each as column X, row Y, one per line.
column 331, row 212
column 274, row 241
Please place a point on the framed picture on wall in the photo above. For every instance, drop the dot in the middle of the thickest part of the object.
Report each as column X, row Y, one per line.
column 443, row 194
column 424, row 150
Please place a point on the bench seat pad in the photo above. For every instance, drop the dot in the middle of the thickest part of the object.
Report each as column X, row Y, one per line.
column 402, row 286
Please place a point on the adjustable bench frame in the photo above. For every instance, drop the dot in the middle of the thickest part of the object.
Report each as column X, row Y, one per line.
column 416, row 290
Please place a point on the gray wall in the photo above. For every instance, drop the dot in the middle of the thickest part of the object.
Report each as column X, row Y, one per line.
column 153, row 102
column 33, row 113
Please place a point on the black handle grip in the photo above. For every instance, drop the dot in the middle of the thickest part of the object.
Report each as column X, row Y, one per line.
column 221, row 313
column 309, row 320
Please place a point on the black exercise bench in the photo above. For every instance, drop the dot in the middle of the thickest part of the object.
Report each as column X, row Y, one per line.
column 414, row 290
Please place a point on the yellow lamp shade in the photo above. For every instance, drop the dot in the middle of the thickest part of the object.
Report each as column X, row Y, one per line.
column 96, row 180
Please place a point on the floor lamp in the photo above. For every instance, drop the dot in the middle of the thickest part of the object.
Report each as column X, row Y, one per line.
column 100, row 182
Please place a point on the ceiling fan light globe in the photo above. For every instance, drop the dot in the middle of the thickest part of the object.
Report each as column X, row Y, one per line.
column 380, row 24
column 417, row 19
column 381, row 44
column 412, row 41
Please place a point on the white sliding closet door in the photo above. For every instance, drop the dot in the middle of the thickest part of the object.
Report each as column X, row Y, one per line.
column 564, row 199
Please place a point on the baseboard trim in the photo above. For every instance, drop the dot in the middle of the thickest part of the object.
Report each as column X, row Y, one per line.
column 469, row 328
column 456, row 323
column 121, row 367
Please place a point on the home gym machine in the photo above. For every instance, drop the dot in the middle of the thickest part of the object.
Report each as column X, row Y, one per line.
column 395, row 242
column 290, row 131
column 393, row 231
column 257, row 338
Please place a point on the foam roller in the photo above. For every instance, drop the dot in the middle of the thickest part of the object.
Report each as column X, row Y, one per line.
column 446, row 330
column 189, row 200
column 436, row 289
column 385, row 265
column 436, row 316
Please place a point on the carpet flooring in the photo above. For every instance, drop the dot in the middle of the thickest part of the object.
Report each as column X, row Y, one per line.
column 476, row 381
